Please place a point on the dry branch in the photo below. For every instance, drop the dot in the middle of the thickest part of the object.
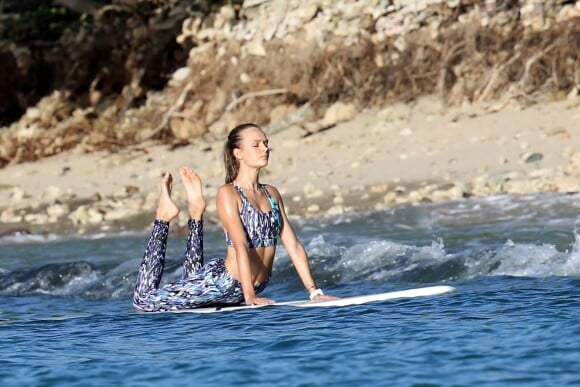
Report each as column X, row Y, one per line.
column 449, row 56
column 253, row 94
column 532, row 60
column 495, row 75
column 176, row 106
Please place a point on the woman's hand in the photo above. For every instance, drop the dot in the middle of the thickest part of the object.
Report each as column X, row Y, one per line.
column 259, row 301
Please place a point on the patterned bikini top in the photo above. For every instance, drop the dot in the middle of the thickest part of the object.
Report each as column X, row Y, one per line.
column 262, row 228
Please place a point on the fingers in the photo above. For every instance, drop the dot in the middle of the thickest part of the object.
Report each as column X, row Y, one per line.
column 260, row 301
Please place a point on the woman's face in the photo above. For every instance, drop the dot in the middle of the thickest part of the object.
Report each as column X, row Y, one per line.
column 253, row 148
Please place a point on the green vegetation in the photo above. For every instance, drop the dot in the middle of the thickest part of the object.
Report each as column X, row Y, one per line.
column 45, row 23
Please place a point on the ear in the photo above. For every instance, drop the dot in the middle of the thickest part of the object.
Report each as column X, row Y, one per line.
column 237, row 153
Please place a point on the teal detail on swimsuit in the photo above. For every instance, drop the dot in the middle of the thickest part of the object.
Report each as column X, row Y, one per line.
column 262, row 228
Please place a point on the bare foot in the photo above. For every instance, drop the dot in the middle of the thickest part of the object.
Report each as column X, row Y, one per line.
column 195, row 200
column 166, row 208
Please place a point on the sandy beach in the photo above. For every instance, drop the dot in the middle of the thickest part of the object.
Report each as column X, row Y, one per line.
column 398, row 155
column 487, row 117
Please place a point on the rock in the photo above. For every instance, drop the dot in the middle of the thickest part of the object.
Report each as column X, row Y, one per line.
column 186, row 129
column 96, row 197
column 225, row 16
column 543, row 173
column 387, row 26
column 95, row 215
column 117, row 214
column 313, row 208
column 563, row 133
column 131, row 189
column 52, row 192
column 311, row 192
column 181, row 74
column 32, row 114
column 17, row 194
column 255, row 48
column 390, row 197
column 335, row 210
column 453, row 193
column 9, row 216
column 245, row 78
column 306, row 12
column 218, row 129
column 566, row 184
column 415, row 196
column 36, row 218
column 80, row 216
column 406, row 132
column 518, row 187
column 569, row 11
column 574, row 93
column 532, row 157
column 339, row 112
column 84, row 215
column 380, row 207
column 277, row 10
column 379, row 188
column 126, row 191
column 532, row 15
column 56, row 211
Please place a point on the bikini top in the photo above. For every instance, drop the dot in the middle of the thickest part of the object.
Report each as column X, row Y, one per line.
column 262, row 228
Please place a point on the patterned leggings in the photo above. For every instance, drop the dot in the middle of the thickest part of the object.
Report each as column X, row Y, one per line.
column 199, row 286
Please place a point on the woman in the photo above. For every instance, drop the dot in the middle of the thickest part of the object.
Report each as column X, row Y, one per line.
column 253, row 217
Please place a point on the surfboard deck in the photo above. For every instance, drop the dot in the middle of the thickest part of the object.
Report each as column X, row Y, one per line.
column 346, row 301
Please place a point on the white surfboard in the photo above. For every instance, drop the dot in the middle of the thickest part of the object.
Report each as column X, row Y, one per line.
column 346, row 301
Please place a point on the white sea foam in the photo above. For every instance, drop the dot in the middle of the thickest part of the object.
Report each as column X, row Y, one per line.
column 426, row 244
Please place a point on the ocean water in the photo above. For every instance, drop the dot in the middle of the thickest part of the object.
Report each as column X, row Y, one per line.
column 66, row 317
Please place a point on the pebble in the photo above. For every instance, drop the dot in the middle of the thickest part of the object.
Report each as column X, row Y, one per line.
column 406, row 132
column 36, row 218
column 335, row 210
column 17, row 194
column 313, row 208
column 52, row 192
column 56, row 211
column 9, row 216
column 390, row 197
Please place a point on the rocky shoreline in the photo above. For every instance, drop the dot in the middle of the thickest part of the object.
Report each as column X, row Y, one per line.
column 433, row 155
column 368, row 105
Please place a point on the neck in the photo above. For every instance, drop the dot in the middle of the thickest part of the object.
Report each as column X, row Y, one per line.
column 248, row 179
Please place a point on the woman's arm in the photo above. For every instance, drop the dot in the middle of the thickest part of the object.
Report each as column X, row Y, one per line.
column 228, row 212
column 296, row 251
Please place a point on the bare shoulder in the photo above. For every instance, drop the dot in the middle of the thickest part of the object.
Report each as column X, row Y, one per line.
column 226, row 190
column 228, row 193
column 227, row 201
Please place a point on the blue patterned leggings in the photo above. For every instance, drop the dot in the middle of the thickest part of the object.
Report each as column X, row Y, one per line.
column 199, row 286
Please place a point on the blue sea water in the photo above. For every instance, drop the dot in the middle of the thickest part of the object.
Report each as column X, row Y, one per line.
column 66, row 317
